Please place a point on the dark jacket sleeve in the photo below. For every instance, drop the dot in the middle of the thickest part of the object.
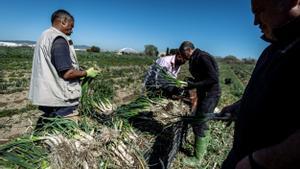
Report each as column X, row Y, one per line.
column 212, row 73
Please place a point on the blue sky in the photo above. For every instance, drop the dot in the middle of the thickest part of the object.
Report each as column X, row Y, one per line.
column 218, row 27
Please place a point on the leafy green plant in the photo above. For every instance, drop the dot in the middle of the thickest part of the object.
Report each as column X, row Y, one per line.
column 24, row 152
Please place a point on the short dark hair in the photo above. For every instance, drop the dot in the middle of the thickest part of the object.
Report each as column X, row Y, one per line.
column 61, row 14
column 186, row 44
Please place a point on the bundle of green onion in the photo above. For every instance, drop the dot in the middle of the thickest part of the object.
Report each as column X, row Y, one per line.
column 159, row 77
column 24, row 152
column 134, row 108
column 58, row 125
column 95, row 100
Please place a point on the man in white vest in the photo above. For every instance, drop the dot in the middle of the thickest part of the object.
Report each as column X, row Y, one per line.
column 55, row 78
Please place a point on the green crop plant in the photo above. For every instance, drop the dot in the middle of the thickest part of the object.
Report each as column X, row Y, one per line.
column 24, row 152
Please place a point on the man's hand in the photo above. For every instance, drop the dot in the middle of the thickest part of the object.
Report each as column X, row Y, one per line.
column 243, row 164
column 72, row 74
column 91, row 72
column 191, row 84
column 230, row 112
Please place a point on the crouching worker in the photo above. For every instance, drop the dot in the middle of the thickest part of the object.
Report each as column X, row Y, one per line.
column 161, row 76
column 55, row 78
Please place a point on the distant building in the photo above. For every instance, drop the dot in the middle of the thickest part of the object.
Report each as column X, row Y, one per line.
column 162, row 54
column 77, row 49
column 26, row 43
column 127, row 51
column 14, row 44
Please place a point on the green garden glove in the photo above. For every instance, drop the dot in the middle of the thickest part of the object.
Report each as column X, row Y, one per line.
column 91, row 72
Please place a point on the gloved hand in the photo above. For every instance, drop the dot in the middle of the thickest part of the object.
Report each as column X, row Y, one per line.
column 91, row 72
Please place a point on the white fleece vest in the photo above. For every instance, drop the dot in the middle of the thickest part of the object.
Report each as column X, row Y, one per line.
column 47, row 88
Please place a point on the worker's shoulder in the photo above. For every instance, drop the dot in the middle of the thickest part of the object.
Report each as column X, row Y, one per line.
column 202, row 54
column 59, row 40
column 46, row 32
column 52, row 33
column 294, row 49
column 167, row 59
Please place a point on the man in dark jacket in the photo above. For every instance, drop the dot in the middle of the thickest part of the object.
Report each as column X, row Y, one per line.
column 267, row 124
column 204, row 70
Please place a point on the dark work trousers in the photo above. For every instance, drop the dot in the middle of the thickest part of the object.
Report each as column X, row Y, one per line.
column 57, row 111
column 53, row 112
column 205, row 105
